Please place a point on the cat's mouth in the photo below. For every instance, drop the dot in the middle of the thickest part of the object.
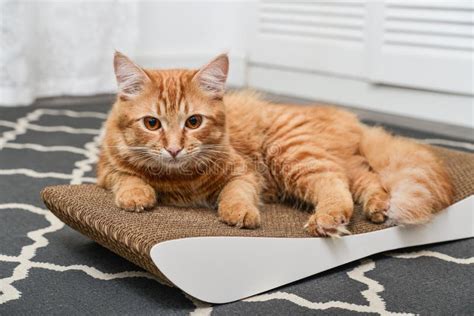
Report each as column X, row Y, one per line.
column 175, row 161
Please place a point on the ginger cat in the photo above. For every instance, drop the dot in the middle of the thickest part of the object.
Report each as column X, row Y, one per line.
column 175, row 138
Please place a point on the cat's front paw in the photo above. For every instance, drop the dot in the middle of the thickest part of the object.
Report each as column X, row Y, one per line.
column 326, row 224
column 136, row 199
column 240, row 215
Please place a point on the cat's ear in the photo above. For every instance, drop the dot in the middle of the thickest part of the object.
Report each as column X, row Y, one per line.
column 212, row 77
column 131, row 79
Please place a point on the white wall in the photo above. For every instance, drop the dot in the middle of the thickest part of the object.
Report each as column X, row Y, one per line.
column 189, row 33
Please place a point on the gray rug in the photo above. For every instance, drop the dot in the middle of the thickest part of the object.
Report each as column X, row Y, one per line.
column 47, row 268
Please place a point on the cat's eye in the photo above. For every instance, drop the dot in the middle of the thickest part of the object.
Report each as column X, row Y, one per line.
column 151, row 123
column 194, row 121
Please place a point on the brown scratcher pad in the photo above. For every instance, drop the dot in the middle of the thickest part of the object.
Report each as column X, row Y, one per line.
column 91, row 211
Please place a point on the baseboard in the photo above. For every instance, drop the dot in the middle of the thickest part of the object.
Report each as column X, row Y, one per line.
column 425, row 105
column 403, row 121
column 237, row 71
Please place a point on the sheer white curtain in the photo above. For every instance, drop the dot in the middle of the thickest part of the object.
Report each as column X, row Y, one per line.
column 50, row 48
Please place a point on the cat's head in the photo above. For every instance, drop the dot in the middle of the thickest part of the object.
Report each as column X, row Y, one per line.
column 170, row 117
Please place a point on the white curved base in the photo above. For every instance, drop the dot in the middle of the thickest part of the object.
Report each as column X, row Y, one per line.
column 226, row 269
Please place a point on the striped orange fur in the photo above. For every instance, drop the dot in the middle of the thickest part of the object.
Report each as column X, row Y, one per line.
column 247, row 150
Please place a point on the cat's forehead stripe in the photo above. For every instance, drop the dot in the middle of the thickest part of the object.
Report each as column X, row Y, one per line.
column 171, row 95
column 172, row 99
column 161, row 108
column 186, row 105
column 182, row 99
column 165, row 92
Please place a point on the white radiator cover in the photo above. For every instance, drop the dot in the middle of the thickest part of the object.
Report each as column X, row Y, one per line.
column 424, row 44
column 382, row 55
column 311, row 35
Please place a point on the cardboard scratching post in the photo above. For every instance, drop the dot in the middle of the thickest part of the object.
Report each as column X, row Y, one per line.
column 216, row 263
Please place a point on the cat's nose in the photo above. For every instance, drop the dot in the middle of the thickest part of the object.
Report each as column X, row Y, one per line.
column 174, row 151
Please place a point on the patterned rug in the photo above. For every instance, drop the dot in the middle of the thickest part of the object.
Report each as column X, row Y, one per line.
column 47, row 268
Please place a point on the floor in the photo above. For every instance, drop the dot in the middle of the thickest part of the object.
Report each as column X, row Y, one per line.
column 47, row 268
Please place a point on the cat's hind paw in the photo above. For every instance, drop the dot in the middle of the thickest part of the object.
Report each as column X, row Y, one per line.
column 376, row 209
column 326, row 225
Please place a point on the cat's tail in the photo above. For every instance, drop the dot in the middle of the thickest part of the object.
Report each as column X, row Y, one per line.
column 415, row 178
